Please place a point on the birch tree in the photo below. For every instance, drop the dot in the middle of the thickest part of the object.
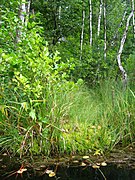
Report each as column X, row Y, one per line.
column 59, row 23
column 90, row 22
column 124, row 73
column 99, row 17
column 105, row 30
column 133, row 9
column 27, row 11
column 23, row 16
column 82, row 32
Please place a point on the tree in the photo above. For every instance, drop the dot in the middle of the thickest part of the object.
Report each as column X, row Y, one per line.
column 82, row 32
column 124, row 74
column 133, row 9
column 99, row 17
column 90, row 21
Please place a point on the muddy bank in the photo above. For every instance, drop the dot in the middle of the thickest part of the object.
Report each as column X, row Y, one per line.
column 116, row 165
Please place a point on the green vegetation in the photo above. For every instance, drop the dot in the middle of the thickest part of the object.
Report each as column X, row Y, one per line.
column 73, row 120
column 51, row 102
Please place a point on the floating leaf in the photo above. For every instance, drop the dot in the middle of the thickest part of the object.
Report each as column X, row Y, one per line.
column 83, row 164
column 85, row 157
column 20, row 171
column 52, row 174
column 49, row 171
column 96, row 166
column 75, row 161
column 103, row 164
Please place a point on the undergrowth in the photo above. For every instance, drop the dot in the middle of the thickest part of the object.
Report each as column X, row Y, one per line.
column 69, row 120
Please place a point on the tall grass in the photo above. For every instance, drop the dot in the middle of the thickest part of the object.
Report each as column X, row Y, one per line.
column 68, row 120
column 100, row 119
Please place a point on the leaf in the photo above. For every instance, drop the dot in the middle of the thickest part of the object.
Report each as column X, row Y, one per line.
column 97, row 152
column 20, row 171
column 75, row 161
column 83, row 164
column 48, row 171
column 85, row 157
column 32, row 114
column 52, row 174
column 4, row 110
column 103, row 164
column 24, row 106
column 96, row 166
column 99, row 127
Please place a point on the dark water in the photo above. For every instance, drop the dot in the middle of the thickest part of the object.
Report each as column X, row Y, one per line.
column 65, row 169
column 110, row 172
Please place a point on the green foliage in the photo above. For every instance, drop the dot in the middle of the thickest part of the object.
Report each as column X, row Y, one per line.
column 44, row 104
column 32, row 79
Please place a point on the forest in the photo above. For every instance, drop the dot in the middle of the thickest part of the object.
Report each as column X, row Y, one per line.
column 67, row 73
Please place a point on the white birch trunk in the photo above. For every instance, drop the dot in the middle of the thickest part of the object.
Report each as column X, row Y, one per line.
column 59, row 12
column 105, row 31
column 23, row 15
column 133, row 9
column 90, row 21
column 124, row 74
column 59, row 24
column 22, row 12
column 99, row 17
column 82, row 33
column 27, row 12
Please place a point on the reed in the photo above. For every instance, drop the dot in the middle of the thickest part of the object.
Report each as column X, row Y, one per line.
column 69, row 120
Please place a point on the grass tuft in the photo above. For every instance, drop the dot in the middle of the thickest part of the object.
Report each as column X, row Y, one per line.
column 68, row 120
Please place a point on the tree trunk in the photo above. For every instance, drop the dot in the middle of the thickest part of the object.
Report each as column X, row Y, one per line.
column 60, row 37
column 133, row 9
column 105, row 30
column 82, row 33
column 124, row 74
column 23, row 16
column 90, row 22
column 22, row 11
column 59, row 23
column 99, row 17
column 27, row 12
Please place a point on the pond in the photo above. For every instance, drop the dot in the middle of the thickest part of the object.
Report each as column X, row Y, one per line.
column 118, row 165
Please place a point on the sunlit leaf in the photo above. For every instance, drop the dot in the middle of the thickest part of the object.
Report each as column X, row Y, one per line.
column 20, row 171
column 96, row 166
column 24, row 106
column 32, row 114
column 97, row 152
column 103, row 164
column 83, row 164
column 49, row 171
column 85, row 157
column 93, row 127
column 52, row 174
column 75, row 161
